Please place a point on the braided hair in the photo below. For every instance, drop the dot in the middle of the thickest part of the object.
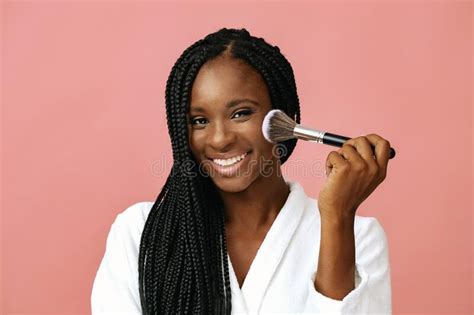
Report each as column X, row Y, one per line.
column 183, row 265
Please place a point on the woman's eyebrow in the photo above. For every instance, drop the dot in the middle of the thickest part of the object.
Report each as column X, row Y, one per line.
column 241, row 100
column 229, row 105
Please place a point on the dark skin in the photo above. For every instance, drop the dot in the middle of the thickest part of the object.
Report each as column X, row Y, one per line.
column 249, row 199
column 253, row 198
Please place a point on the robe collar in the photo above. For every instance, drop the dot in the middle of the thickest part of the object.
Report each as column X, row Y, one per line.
column 270, row 253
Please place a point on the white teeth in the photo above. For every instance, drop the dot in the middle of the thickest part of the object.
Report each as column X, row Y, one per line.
column 230, row 161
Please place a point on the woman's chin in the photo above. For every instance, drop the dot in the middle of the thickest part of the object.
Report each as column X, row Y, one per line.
column 231, row 184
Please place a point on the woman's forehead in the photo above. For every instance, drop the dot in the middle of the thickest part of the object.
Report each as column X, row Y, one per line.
column 226, row 80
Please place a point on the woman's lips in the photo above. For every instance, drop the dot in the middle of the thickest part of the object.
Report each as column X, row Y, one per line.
column 231, row 170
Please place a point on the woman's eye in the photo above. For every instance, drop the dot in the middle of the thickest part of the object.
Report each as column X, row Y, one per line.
column 193, row 121
column 244, row 112
column 202, row 121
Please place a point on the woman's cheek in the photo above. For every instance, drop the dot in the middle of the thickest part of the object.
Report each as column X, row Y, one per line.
column 196, row 143
column 254, row 128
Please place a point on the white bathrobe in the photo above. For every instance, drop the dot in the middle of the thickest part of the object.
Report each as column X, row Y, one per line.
column 281, row 277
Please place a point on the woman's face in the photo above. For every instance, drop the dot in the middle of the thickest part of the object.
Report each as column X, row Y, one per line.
column 229, row 100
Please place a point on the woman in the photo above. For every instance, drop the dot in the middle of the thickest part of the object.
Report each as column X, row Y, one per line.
column 228, row 232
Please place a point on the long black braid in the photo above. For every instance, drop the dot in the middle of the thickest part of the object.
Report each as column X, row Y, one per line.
column 183, row 265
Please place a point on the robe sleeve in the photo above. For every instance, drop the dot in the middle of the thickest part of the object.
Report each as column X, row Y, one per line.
column 115, row 290
column 372, row 293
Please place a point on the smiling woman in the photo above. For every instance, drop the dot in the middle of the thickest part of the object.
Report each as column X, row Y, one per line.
column 229, row 100
column 228, row 233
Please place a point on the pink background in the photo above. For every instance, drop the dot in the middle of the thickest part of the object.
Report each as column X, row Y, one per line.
column 84, row 131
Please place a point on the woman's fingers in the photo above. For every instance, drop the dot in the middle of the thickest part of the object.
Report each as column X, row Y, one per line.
column 365, row 153
column 382, row 152
column 363, row 146
column 334, row 159
column 360, row 151
column 355, row 174
column 379, row 150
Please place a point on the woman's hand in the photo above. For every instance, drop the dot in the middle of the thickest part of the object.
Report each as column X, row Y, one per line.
column 354, row 171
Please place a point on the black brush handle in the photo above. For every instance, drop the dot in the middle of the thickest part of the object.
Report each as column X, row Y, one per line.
column 338, row 141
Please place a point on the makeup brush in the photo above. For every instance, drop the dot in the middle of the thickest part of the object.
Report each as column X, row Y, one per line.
column 278, row 127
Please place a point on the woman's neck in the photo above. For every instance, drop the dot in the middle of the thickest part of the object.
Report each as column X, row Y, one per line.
column 258, row 205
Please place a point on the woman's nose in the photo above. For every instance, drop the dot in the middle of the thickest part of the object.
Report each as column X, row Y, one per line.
column 221, row 137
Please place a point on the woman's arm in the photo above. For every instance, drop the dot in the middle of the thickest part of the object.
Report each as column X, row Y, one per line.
column 353, row 174
column 354, row 171
column 372, row 293
column 336, row 263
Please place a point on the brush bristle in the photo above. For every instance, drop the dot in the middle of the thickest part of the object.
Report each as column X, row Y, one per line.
column 278, row 126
